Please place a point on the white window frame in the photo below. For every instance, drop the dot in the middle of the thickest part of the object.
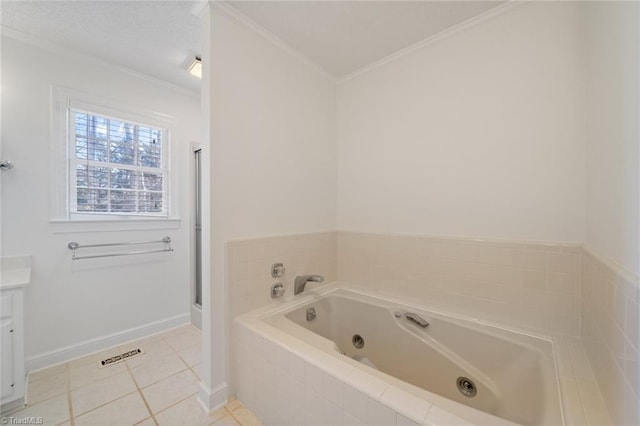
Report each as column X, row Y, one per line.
column 63, row 157
column 74, row 162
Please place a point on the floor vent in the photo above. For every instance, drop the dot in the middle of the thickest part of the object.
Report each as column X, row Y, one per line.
column 119, row 358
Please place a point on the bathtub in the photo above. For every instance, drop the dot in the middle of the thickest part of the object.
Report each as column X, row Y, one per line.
column 459, row 369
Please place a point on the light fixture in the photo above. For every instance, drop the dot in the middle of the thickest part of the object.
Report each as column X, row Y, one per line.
column 195, row 68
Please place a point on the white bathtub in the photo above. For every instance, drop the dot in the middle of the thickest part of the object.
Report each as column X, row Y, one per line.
column 416, row 368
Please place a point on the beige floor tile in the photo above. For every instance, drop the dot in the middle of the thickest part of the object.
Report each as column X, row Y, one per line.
column 140, row 342
column 125, row 411
column 186, row 329
column 188, row 412
column 152, row 351
column 227, row 421
column 93, row 358
column 53, row 411
column 197, row 370
column 168, row 391
column 246, row 417
column 47, row 372
column 108, row 395
column 46, row 387
column 101, row 392
column 233, row 404
column 90, row 373
column 156, row 369
column 147, row 422
column 180, row 341
column 218, row 414
column 154, row 348
column 192, row 355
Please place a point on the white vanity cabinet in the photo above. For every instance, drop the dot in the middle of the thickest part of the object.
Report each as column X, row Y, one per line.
column 15, row 275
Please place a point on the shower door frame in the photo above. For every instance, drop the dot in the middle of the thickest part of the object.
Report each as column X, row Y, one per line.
column 195, row 293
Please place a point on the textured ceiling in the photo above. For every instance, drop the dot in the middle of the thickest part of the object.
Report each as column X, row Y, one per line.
column 343, row 36
column 158, row 37
column 152, row 37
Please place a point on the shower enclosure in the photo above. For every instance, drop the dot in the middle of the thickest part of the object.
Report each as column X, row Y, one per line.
column 197, row 240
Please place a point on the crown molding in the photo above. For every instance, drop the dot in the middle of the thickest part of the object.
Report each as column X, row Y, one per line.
column 83, row 57
column 240, row 17
column 509, row 6
column 200, row 8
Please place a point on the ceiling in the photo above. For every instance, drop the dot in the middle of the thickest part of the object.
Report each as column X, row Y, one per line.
column 153, row 37
column 159, row 37
column 343, row 36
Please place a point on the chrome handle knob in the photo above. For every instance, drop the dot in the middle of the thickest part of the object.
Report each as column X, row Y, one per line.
column 277, row 270
column 277, row 290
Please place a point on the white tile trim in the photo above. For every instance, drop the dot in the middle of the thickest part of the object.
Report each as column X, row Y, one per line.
column 614, row 266
column 572, row 246
column 67, row 353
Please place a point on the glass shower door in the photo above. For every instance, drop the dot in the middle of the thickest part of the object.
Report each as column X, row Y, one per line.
column 198, row 228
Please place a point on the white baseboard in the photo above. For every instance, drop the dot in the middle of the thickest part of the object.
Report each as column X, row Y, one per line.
column 196, row 316
column 48, row 359
column 212, row 399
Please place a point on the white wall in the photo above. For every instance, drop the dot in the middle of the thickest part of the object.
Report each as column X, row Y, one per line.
column 273, row 156
column 273, row 137
column 478, row 134
column 69, row 303
column 613, row 182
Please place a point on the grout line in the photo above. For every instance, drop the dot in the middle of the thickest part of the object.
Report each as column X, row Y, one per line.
column 146, row 404
column 107, row 403
column 177, row 402
column 164, row 378
column 69, row 402
column 151, row 384
column 69, row 390
column 193, row 371
column 234, row 418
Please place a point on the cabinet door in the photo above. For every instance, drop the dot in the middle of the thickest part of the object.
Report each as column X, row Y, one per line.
column 6, row 357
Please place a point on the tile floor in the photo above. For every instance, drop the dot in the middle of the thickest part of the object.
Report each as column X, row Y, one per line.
column 156, row 388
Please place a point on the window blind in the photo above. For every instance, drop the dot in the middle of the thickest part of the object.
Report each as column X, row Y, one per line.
column 117, row 167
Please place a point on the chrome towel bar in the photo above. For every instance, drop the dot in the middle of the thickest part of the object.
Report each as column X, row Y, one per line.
column 73, row 246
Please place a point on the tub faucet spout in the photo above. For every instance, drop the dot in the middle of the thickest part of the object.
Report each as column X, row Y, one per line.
column 302, row 280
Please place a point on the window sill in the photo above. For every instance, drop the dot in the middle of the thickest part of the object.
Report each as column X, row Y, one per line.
column 68, row 226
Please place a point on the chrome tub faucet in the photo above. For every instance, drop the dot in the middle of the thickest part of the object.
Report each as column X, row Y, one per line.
column 302, row 280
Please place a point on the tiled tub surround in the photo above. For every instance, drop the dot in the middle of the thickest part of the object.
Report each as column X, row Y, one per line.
column 610, row 323
column 534, row 286
column 528, row 286
column 249, row 266
column 286, row 380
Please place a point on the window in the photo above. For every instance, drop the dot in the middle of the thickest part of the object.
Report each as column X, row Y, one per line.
column 117, row 166
column 110, row 164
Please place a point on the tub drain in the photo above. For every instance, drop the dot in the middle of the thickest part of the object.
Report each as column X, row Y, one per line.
column 466, row 387
column 357, row 341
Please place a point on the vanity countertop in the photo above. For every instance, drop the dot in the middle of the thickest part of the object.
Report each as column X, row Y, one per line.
column 15, row 272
